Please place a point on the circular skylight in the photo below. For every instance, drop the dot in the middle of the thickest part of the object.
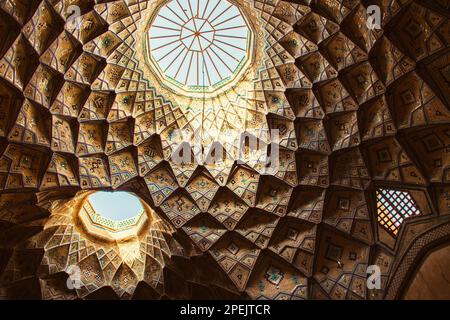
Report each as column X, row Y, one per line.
column 199, row 46
column 113, row 215
column 117, row 205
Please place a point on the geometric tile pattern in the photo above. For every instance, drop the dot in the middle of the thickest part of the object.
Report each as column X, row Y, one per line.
column 358, row 110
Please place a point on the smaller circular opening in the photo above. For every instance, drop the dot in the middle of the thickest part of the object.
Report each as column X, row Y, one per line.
column 113, row 215
column 117, row 206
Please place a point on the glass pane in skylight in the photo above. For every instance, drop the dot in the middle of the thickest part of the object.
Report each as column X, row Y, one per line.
column 199, row 44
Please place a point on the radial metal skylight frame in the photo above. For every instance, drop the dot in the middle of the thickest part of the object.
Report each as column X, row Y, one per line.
column 210, row 89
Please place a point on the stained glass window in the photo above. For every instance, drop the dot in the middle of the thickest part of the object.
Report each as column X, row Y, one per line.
column 393, row 207
column 199, row 45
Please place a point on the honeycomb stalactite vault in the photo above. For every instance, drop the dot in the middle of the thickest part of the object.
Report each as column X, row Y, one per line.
column 357, row 110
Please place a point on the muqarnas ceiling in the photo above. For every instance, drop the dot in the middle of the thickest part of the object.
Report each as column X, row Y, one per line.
column 358, row 110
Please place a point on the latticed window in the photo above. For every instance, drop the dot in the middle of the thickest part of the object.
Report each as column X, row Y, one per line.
column 393, row 207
